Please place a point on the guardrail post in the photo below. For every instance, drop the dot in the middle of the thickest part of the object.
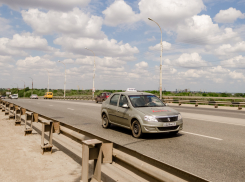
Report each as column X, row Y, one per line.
column 91, row 150
column 216, row 106
column 51, row 127
column 11, row 111
column 47, row 127
column 6, row 108
column 239, row 107
column 97, row 151
column 33, row 117
column 3, row 106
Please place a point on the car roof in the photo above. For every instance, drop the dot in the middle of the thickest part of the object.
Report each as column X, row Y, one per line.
column 133, row 93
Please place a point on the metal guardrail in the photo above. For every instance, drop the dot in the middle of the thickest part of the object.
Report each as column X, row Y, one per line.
column 100, row 149
column 73, row 98
column 197, row 102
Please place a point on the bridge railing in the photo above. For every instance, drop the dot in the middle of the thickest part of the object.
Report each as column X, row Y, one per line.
column 205, row 102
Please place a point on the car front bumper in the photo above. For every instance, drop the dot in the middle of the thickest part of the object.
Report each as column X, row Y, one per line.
column 158, row 127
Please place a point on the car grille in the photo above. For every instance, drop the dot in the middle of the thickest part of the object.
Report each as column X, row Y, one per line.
column 168, row 128
column 167, row 120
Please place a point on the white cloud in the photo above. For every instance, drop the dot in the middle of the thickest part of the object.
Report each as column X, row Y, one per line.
column 227, row 49
column 169, row 13
column 46, row 4
column 101, row 47
column 69, row 61
column 141, row 65
column 236, row 62
column 34, row 63
column 237, row 76
column 157, row 47
column 107, row 62
column 151, row 39
column 201, row 30
column 120, row 12
column 6, row 28
column 228, row 16
column 6, row 50
column 73, row 23
column 190, row 74
column 190, row 60
column 29, row 41
column 5, row 61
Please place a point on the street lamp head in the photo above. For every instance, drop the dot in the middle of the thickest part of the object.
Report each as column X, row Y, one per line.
column 150, row 19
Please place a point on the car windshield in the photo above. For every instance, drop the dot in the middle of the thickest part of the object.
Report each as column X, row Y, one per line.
column 145, row 101
column 14, row 95
column 33, row 95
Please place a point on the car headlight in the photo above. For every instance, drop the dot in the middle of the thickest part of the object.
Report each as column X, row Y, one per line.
column 179, row 116
column 150, row 119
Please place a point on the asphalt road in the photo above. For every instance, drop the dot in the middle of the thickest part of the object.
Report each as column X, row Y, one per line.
column 211, row 144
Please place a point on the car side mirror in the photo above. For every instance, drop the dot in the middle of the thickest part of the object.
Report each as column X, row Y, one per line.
column 125, row 106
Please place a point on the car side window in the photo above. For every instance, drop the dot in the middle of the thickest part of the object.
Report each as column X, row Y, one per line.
column 114, row 99
column 123, row 100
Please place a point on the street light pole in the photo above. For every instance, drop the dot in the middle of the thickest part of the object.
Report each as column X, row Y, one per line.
column 17, row 88
column 24, row 87
column 31, row 85
column 161, row 60
column 65, row 79
column 93, row 90
column 48, row 79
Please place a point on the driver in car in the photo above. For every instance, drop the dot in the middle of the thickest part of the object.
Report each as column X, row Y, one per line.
column 149, row 101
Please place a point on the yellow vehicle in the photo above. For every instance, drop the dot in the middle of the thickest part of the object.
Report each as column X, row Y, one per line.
column 48, row 95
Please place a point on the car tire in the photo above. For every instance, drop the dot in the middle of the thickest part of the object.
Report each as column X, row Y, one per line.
column 105, row 121
column 136, row 129
column 173, row 133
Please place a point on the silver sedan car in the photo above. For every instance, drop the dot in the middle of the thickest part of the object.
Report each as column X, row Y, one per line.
column 140, row 112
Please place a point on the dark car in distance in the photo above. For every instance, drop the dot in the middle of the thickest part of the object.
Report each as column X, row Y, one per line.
column 102, row 97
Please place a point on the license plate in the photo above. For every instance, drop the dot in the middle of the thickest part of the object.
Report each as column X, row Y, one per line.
column 169, row 124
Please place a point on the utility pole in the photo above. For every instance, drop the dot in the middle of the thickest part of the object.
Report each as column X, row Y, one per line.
column 24, row 87
column 65, row 80
column 93, row 90
column 160, row 89
column 48, row 79
column 31, row 85
column 17, row 89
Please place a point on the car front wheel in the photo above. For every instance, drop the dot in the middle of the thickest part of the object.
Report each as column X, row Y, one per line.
column 136, row 129
column 105, row 122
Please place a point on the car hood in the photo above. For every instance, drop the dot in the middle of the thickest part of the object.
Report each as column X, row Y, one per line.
column 157, row 111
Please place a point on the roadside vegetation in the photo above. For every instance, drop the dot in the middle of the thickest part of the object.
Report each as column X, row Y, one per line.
column 60, row 92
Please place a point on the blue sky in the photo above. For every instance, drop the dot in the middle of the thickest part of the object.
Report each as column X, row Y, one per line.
column 203, row 44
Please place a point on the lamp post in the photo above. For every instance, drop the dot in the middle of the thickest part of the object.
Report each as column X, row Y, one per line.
column 94, row 71
column 161, row 60
column 17, row 88
column 48, row 79
column 65, row 79
column 31, row 85
column 24, row 87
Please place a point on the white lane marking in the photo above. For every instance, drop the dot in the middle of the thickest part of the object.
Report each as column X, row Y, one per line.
column 70, row 109
column 201, row 135
column 216, row 121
